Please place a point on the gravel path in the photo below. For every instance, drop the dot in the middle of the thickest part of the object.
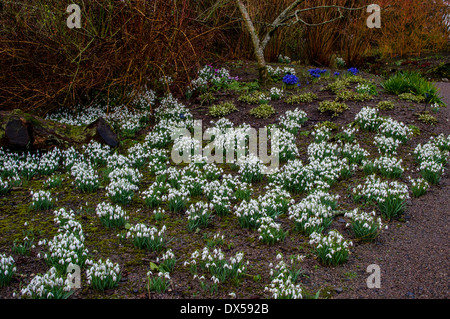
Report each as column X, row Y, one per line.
column 444, row 88
column 414, row 255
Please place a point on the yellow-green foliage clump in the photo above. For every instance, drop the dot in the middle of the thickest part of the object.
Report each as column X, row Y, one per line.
column 357, row 79
column 332, row 126
column 415, row 130
column 361, row 97
column 253, row 98
column 427, row 118
column 345, row 95
column 333, row 107
column 222, row 109
column 348, row 95
column 342, row 84
column 263, row 111
column 302, row 98
column 337, row 86
column 411, row 97
column 386, row 105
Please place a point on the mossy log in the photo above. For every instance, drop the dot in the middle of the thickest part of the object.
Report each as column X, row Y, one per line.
column 24, row 131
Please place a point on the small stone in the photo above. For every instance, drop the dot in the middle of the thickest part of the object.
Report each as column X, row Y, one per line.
column 105, row 132
column 338, row 290
column 341, row 220
column 108, row 135
column 17, row 133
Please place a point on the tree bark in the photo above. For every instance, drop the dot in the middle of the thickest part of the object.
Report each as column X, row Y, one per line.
column 257, row 46
column 24, row 131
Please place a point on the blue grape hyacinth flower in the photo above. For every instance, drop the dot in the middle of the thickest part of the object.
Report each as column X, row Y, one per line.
column 353, row 71
column 290, row 79
column 316, row 73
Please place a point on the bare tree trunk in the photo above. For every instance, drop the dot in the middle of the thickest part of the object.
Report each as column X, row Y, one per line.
column 258, row 45
column 258, row 48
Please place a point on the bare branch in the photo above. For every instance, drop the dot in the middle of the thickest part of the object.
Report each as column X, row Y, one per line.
column 339, row 8
column 278, row 21
column 318, row 24
column 282, row 19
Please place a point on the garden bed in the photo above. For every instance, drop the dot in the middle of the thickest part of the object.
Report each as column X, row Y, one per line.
column 412, row 252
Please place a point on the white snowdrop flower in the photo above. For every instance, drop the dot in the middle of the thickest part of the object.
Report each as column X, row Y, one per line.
column 43, row 285
column 368, row 118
